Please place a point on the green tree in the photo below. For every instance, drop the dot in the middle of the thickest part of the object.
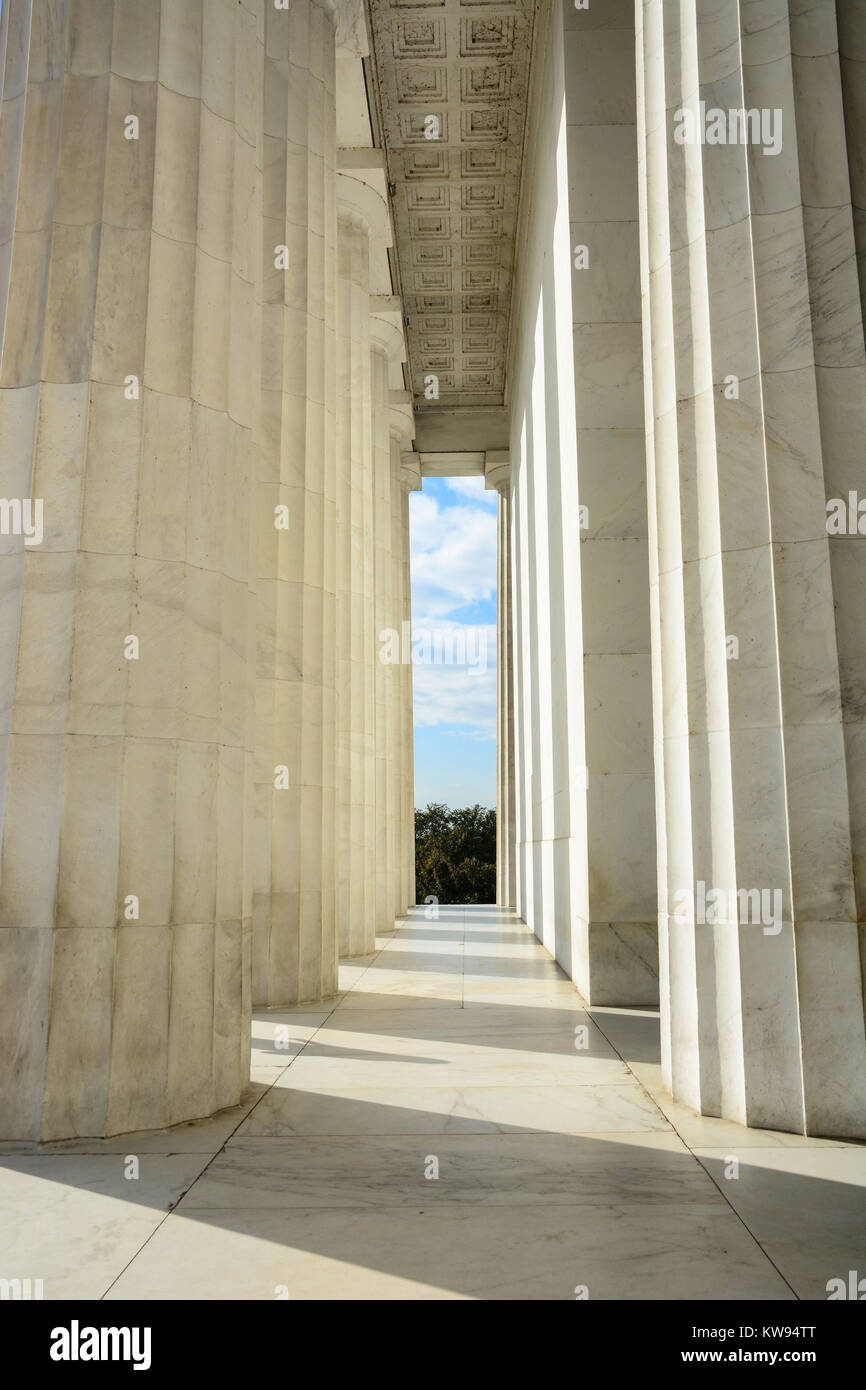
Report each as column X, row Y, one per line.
column 455, row 854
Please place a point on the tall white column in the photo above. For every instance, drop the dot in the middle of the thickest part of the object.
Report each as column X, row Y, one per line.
column 387, row 352
column 356, row 639
column 130, row 235
column 584, row 862
column 295, row 939
column 755, row 384
column 410, row 480
column 616, row 953
column 365, row 233
column 396, row 703
column 402, row 434
column 497, row 468
column 383, row 846
column 348, row 268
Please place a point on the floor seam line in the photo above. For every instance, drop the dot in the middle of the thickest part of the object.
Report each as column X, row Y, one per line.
column 693, row 1155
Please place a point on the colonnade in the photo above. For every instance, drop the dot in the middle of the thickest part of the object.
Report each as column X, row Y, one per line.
column 755, row 388
column 206, row 737
column 695, row 486
column 205, row 765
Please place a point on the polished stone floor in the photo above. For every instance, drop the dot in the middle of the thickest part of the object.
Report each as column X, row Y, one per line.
column 459, row 1047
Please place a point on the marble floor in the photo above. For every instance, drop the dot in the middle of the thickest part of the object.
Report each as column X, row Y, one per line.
column 458, row 1049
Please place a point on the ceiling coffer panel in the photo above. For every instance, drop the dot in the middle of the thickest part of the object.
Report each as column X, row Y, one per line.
column 454, row 79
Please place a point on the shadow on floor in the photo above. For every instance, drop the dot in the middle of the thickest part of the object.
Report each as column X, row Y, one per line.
column 425, row 1147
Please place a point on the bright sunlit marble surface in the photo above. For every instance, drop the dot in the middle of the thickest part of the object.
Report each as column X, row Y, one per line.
column 558, row 1166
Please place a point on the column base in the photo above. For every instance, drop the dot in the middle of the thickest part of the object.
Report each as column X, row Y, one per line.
column 623, row 968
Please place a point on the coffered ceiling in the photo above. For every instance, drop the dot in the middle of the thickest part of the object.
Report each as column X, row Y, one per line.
column 452, row 84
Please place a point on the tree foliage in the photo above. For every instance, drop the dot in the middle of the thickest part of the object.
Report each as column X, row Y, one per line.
column 455, row 854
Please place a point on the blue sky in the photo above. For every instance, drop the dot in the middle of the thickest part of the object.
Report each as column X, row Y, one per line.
column 452, row 525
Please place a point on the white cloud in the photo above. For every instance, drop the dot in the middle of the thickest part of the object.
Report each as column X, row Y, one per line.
column 453, row 556
column 423, row 514
column 453, row 566
column 451, row 694
column 473, row 487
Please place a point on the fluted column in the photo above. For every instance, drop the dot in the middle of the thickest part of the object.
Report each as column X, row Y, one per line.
column 615, row 949
column 130, row 233
column 394, row 677
column 497, row 468
column 402, row 434
column 364, row 230
column 410, row 481
column 295, row 948
column 755, row 387
column 347, row 270
column 387, row 350
column 383, row 835
column 356, row 638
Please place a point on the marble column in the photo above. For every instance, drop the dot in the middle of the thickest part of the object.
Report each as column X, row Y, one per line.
column 130, row 242
column 347, row 271
column 615, row 949
column 387, row 351
column 410, row 481
column 394, row 676
column 497, row 469
column 295, row 938
column 551, row 881
column 364, row 232
column 402, row 434
column 383, row 846
column 755, row 401
column 356, row 638
column 851, row 19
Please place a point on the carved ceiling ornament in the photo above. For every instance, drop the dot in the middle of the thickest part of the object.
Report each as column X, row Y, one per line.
column 453, row 85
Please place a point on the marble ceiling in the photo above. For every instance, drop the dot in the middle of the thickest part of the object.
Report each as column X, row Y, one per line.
column 452, row 82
